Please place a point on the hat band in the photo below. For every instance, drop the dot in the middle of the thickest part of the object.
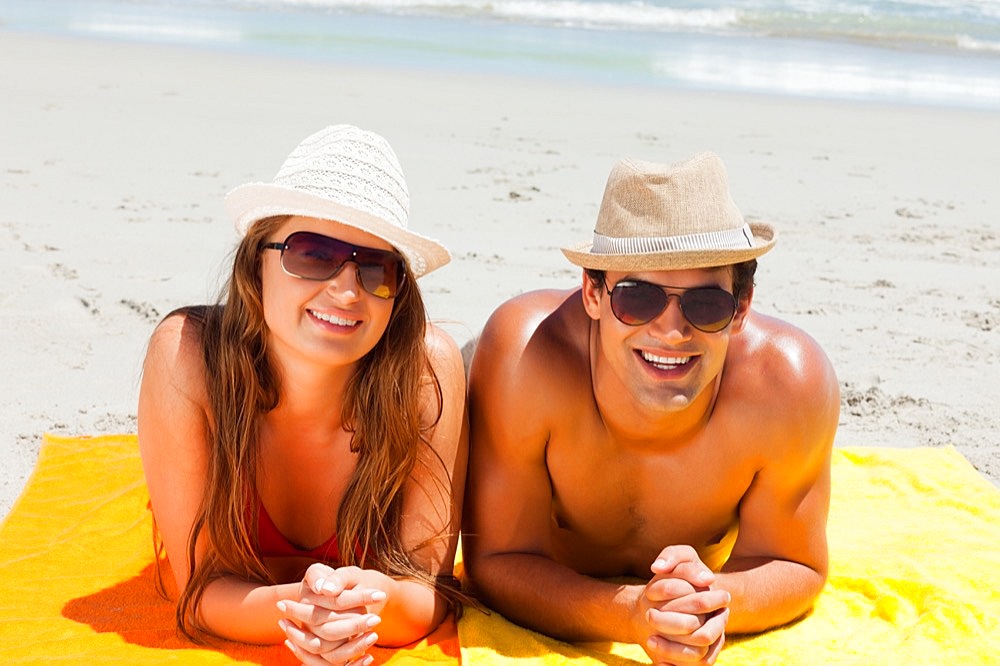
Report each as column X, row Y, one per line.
column 730, row 239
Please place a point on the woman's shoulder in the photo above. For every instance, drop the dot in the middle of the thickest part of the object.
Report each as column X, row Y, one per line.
column 442, row 350
column 175, row 351
column 180, row 332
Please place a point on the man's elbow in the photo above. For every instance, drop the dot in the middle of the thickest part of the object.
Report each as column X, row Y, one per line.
column 477, row 566
column 801, row 603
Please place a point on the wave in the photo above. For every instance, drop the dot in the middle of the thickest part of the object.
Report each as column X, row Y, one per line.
column 968, row 43
column 564, row 13
column 825, row 79
column 970, row 25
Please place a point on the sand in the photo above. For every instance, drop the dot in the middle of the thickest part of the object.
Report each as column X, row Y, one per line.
column 114, row 159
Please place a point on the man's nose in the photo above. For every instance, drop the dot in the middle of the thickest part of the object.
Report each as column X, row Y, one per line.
column 671, row 323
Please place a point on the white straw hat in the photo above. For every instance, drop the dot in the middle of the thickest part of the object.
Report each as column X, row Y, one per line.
column 670, row 217
column 347, row 175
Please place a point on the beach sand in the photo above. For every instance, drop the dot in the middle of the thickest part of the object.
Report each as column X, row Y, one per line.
column 114, row 159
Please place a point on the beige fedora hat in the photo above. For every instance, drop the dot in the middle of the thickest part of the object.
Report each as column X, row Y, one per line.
column 670, row 217
column 347, row 175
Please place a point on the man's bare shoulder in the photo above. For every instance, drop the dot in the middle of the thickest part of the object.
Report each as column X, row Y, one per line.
column 536, row 322
column 789, row 354
column 523, row 313
column 780, row 373
column 531, row 349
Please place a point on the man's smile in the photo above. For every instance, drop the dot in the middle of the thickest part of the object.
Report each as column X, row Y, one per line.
column 664, row 362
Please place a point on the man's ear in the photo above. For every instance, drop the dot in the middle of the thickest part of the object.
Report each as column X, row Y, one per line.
column 742, row 312
column 592, row 294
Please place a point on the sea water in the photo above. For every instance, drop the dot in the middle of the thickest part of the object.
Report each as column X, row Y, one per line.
column 926, row 52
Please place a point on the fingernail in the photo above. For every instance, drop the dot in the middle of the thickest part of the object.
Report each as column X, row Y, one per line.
column 282, row 606
column 371, row 639
column 660, row 563
column 378, row 595
column 289, row 645
column 283, row 624
column 368, row 660
column 372, row 621
column 318, row 585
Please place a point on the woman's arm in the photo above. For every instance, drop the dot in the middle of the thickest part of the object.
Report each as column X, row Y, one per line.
column 407, row 609
column 432, row 503
column 174, row 419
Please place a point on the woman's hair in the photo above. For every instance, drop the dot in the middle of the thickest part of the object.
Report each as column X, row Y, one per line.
column 382, row 409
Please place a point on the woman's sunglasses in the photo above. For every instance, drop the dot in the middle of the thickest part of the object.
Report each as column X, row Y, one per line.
column 709, row 309
column 318, row 257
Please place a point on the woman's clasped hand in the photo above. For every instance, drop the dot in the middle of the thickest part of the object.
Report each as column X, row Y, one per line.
column 335, row 618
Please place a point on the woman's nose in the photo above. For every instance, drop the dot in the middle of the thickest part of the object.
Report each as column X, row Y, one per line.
column 345, row 284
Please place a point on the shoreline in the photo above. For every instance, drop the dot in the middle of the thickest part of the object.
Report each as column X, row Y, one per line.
column 117, row 156
column 902, row 50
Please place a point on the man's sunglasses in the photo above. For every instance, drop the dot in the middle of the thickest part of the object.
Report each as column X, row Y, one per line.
column 709, row 309
column 318, row 257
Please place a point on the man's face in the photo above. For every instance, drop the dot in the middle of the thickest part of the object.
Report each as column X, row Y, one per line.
column 665, row 364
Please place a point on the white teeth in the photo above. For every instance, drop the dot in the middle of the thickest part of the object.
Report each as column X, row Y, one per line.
column 665, row 361
column 339, row 321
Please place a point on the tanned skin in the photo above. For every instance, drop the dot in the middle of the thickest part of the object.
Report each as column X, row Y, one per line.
column 693, row 466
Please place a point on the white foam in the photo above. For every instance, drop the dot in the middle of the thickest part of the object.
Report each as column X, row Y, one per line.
column 827, row 79
column 972, row 44
column 173, row 32
column 576, row 13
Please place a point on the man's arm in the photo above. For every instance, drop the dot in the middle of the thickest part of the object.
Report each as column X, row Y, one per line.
column 779, row 562
column 507, row 536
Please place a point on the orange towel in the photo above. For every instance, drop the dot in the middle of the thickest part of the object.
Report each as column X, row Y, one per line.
column 76, row 572
column 915, row 575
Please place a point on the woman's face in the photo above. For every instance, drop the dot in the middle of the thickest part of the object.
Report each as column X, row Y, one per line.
column 332, row 322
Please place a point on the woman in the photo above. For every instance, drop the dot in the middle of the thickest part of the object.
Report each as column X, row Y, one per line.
column 305, row 442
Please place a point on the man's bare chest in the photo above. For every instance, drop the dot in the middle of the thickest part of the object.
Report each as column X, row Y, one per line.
column 614, row 510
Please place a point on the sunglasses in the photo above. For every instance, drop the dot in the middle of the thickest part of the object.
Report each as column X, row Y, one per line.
column 317, row 257
column 709, row 309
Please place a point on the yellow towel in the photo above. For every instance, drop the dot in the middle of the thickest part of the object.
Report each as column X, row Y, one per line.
column 914, row 578
column 915, row 575
column 76, row 572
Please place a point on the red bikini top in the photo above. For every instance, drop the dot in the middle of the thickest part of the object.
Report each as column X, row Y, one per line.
column 272, row 543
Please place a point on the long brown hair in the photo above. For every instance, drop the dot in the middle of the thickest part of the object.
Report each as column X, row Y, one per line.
column 382, row 409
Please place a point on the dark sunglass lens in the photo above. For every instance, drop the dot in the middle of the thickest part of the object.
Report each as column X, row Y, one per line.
column 709, row 309
column 636, row 303
column 313, row 256
column 380, row 279
column 380, row 271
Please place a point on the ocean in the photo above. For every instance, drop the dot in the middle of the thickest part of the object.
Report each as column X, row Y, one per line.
column 916, row 52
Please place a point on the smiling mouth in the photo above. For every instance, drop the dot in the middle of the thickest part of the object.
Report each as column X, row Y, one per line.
column 332, row 319
column 664, row 362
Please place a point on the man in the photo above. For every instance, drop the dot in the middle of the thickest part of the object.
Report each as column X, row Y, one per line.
column 651, row 426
